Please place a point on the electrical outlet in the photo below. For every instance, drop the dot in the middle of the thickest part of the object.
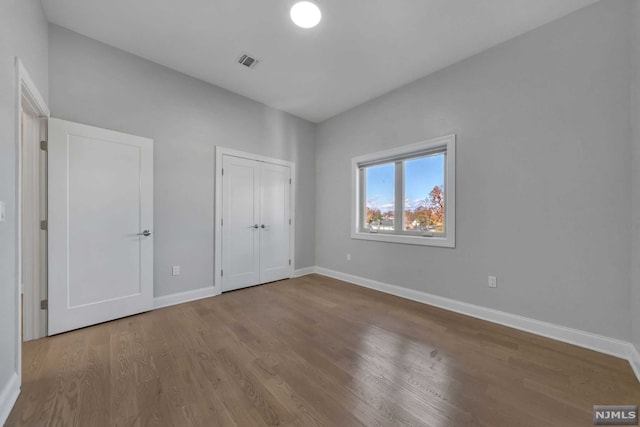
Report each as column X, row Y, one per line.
column 175, row 270
column 493, row 282
column 348, row 257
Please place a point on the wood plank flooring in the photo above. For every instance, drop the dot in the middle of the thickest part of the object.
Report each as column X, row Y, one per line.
column 312, row 351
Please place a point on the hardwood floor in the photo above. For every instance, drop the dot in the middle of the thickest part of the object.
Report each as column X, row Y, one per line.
column 312, row 351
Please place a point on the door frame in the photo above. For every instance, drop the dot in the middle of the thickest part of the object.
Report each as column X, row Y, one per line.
column 217, row 221
column 27, row 94
column 33, row 207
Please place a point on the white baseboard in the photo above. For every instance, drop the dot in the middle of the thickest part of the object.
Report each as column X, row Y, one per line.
column 303, row 271
column 187, row 296
column 8, row 397
column 179, row 298
column 634, row 360
column 600, row 343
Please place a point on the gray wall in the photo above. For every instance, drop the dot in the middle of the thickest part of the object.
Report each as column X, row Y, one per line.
column 23, row 33
column 543, row 167
column 635, row 182
column 544, row 155
column 96, row 84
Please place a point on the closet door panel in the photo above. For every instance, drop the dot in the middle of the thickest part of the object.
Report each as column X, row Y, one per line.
column 275, row 215
column 240, row 232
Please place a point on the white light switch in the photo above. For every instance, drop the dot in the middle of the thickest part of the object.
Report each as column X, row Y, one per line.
column 175, row 271
column 3, row 212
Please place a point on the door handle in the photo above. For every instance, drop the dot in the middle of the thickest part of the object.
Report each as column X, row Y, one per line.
column 145, row 233
column 253, row 226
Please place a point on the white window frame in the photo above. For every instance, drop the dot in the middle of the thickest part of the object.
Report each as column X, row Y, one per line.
column 448, row 238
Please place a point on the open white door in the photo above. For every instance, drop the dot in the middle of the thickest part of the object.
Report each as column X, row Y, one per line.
column 100, row 220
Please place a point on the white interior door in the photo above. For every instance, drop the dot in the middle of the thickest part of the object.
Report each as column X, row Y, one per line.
column 241, row 198
column 255, row 223
column 275, row 221
column 100, row 204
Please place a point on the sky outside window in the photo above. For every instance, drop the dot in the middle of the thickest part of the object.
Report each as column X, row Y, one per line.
column 380, row 186
column 421, row 175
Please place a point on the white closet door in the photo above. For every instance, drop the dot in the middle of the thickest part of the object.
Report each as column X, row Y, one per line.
column 275, row 215
column 100, row 203
column 240, row 230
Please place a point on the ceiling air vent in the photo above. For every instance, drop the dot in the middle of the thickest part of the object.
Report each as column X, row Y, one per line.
column 248, row 61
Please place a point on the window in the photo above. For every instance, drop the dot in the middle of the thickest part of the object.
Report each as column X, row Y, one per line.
column 406, row 194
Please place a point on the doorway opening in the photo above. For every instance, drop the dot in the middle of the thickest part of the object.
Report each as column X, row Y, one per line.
column 31, row 198
column 33, row 222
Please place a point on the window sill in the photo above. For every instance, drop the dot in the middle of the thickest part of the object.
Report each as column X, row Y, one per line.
column 444, row 242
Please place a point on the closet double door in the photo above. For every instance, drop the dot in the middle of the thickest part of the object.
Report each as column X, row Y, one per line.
column 256, row 222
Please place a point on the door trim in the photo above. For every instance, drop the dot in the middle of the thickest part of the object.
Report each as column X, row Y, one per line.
column 217, row 250
column 27, row 96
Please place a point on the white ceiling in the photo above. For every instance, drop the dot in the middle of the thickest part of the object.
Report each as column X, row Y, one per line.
column 360, row 50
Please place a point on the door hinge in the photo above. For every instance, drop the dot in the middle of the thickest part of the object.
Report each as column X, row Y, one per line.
column 44, row 145
column 222, row 171
column 289, row 262
column 44, row 225
column 221, row 221
column 221, row 273
column 289, row 221
column 44, row 304
column 289, row 180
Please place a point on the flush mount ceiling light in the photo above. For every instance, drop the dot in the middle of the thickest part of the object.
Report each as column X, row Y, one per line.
column 305, row 14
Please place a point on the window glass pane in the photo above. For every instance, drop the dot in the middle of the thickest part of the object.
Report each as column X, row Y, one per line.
column 424, row 194
column 379, row 197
